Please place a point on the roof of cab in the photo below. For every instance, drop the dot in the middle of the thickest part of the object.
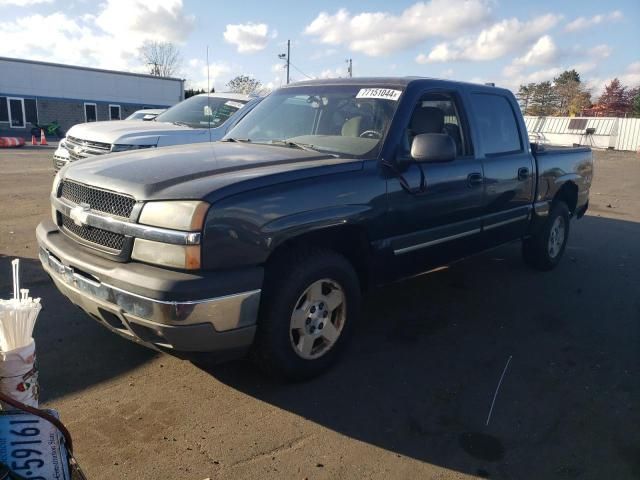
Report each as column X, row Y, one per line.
column 402, row 82
column 228, row 96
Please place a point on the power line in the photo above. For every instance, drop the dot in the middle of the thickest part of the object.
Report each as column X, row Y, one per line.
column 301, row 72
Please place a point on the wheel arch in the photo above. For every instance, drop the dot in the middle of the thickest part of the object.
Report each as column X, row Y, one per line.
column 348, row 240
column 567, row 193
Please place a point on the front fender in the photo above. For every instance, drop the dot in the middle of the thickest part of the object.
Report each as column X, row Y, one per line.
column 291, row 226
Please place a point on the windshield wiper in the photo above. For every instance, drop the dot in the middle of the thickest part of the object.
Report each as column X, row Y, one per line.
column 301, row 146
column 182, row 124
column 232, row 139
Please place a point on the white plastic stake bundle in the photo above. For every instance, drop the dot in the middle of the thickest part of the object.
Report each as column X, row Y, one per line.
column 18, row 372
column 15, row 266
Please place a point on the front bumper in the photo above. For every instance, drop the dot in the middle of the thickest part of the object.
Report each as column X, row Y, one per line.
column 159, row 308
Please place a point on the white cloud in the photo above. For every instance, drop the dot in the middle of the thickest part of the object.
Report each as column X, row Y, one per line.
column 324, row 53
column 581, row 23
column 248, row 37
column 631, row 77
column 498, row 40
column 333, row 73
column 22, row 3
column 106, row 39
column 543, row 52
column 381, row 33
column 601, row 51
column 513, row 76
column 219, row 74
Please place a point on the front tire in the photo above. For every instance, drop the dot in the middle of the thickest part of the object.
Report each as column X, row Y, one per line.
column 310, row 304
column 543, row 251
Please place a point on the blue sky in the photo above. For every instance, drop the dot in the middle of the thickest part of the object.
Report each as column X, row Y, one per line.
column 506, row 42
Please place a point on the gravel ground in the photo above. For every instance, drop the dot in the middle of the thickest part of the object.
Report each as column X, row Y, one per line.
column 411, row 397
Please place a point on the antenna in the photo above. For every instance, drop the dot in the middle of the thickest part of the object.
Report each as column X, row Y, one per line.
column 208, row 96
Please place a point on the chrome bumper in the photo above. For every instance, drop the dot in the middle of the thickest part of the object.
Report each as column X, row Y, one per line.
column 154, row 322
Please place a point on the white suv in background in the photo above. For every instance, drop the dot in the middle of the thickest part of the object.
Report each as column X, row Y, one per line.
column 201, row 118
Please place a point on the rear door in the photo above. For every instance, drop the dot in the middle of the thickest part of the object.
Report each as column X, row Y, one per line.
column 443, row 221
column 507, row 164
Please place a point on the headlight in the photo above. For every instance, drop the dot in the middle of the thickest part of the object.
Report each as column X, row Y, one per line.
column 179, row 215
column 184, row 215
column 56, row 185
column 123, row 148
column 178, row 256
column 54, row 192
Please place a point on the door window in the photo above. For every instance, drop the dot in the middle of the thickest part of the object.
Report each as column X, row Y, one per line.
column 90, row 112
column 497, row 124
column 114, row 112
column 16, row 112
column 439, row 113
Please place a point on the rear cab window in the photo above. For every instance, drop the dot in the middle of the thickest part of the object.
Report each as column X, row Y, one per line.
column 497, row 124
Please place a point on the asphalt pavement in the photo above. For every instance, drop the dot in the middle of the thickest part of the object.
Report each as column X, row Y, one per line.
column 411, row 397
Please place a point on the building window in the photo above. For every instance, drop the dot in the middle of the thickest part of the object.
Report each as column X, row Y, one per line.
column 4, row 110
column 90, row 112
column 114, row 112
column 31, row 110
column 16, row 112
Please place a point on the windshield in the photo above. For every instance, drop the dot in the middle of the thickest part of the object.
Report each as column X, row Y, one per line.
column 348, row 120
column 137, row 115
column 201, row 112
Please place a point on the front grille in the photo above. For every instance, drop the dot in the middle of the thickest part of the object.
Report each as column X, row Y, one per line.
column 97, row 199
column 79, row 149
column 114, row 241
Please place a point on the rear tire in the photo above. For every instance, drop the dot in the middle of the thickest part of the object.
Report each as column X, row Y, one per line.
column 543, row 251
column 310, row 304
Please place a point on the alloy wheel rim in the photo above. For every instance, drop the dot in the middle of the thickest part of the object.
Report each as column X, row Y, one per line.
column 556, row 237
column 317, row 319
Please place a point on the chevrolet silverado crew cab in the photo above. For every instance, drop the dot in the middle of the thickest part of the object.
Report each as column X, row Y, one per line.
column 264, row 242
column 201, row 118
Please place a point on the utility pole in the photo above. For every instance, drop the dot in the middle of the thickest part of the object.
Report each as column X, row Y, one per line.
column 287, row 55
column 350, row 67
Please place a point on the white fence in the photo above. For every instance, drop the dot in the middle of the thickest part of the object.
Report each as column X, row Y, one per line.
column 607, row 132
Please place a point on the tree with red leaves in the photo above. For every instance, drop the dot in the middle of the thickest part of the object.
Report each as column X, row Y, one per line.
column 615, row 100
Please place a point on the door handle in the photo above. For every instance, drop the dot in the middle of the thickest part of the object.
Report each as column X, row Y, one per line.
column 474, row 179
column 523, row 173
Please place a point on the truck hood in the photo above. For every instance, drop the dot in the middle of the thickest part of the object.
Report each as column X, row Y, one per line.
column 197, row 171
column 132, row 132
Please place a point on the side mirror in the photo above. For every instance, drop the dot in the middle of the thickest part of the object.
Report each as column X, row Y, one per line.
column 432, row 148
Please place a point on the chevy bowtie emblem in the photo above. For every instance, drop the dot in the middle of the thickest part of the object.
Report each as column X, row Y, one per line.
column 80, row 214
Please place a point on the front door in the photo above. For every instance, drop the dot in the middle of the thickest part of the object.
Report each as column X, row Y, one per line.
column 16, row 112
column 439, row 220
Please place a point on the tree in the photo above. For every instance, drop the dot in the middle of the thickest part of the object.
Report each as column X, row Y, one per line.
column 543, row 99
column 524, row 95
column 615, row 100
column 571, row 96
column 244, row 84
column 635, row 102
column 579, row 102
column 567, row 76
column 162, row 58
column 190, row 92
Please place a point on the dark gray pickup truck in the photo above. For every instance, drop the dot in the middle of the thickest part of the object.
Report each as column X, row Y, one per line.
column 265, row 241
